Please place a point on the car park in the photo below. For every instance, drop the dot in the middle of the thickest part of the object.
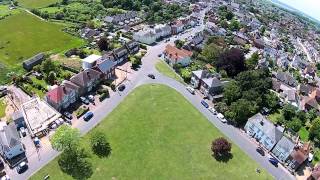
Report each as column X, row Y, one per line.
column 212, row 110
column 67, row 115
column 221, row 118
column 84, row 100
column 121, row 87
column 87, row 116
column 260, row 151
column 23, row 132
column 22, row 167
column 151, row 76
column 190, row 89
column 205, row 104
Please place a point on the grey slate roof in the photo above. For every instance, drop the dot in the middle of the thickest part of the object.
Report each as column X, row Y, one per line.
column 9, row 137
column 286, row 78
column 35, row 60
column 105, row 65
column 286, row 144
column 273, row 132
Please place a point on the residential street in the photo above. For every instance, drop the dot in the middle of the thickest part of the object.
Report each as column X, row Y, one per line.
column 46, row 154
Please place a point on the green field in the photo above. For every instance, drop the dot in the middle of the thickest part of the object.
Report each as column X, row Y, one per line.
column 164, row 69
column 5, row 11
column 155, row 133
column 36, row 3
column 24, row 35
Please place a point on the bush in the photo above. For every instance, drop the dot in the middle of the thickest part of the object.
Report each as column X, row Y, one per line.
column 103, row 96
column 142, row 46
column 113, row 87
column 81, row 111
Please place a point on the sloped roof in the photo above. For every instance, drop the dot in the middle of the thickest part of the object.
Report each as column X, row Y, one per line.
column 82, row 78
column 105, row 65
column 56, row 95
column 175, row 53
column 9, row 137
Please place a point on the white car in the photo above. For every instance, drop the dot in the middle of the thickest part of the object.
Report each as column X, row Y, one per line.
column 5, row 177
column 190, row 89
column 221, row 117
column 212, row 110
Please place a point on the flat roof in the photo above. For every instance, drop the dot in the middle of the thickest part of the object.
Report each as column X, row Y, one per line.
column 38, row 115
column 92, row 58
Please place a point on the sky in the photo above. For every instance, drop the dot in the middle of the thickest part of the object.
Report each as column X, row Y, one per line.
column 310, row 7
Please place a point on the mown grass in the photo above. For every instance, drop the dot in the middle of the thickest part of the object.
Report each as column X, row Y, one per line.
column 36, row 3
column 164, row 69
column 2, row 108
column 155, row 133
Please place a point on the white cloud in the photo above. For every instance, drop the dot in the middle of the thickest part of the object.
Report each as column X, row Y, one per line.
column 310, row 7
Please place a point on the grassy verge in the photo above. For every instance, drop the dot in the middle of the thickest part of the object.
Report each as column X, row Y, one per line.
column 164, row 69
column 155, row 133
column 2, row 108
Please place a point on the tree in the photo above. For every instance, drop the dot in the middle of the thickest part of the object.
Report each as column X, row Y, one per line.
column 294, row 124
column 99, row 144
column 48, row 66
column 314, row 131
column 231, row 92
column 74, row 162
column 289, row 111
column 271, row 100
column 51, row 77
column 65, row 2
column 103, row 44
column 178, row 43
column 65, row 137
column 186, row 74
column 242, row 110
column 312, row 114
column 302, row 116
column 252, row 62
column 211, row 53
column 232, row 61
column 234, row 25
column 220, row 147
column 221, row 107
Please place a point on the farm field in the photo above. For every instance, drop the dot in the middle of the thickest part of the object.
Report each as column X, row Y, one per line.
column 155, row 133
column 29, row 36
column 36, row 3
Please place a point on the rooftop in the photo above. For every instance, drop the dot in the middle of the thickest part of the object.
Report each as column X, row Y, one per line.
column 92, row 58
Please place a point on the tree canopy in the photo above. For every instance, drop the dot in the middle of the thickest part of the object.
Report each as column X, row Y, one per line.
column 232, row 61
column 65, row 137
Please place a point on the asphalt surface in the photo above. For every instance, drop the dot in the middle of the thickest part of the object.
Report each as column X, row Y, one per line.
column 46, row 153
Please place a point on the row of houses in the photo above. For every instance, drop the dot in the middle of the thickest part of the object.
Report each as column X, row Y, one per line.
column 128, row 18
column 95, row 69
column 274, row 139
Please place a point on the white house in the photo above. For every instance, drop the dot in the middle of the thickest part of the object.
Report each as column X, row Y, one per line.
column 90, row 61
column 162, row 30
column 173, row 55
column 145, row 36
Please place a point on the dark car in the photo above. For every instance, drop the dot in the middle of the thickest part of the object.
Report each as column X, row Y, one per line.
column 260, row 151
column 159, row 55
column 151, row 76
column 67, row 115
column 274, row 161
column 22, row 167
column 121, row 87
column 87, row 116
column 205, row 104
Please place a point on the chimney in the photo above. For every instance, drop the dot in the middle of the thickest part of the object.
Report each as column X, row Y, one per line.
column 88, row 74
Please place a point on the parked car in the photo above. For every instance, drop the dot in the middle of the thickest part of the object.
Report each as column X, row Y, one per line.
column 221, row 118
column 84, row 100
column 67, row 115
column 274, row 161
column 37, row 142
column 22, row 167
column 151, row 76
column 87, row 116
column 91, row 98
column 159, row 55
column 260, row 151
column 5, row 177
column 204, row 103
column 23, row 132
column 212, row 110
column 121, row 87
column 59, row 121
column 190, row 89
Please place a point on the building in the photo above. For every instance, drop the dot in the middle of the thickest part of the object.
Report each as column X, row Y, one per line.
column 298, row 156
column 10, row 144
column 121, row 54
column 286, row 78
column 90, row 61
column 86, row 80
column 162, row 30
column 283, row 148
column 38, row 115
column 264, row 131
column 145, row 36
column 208, row 85
column 106, row 67
column 33, row 61
column 177, row 27
column 173, row 56
column 133, row 46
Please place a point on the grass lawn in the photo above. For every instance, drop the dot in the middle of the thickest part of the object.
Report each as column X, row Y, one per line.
column 304, row 134
column 155, row 133
column 36, row 3
column 29, row 36
column 2, row 108
column 5, row 11
column 274, row 117
column 164, row 69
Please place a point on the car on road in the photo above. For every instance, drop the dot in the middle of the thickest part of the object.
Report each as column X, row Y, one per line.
column 87, row 116
column 22, row 167
column 260, row 151
column 151, row 76
column 274, row 161
column 23, row 132
column 121, row 87
column 84, row 100
column 221, row 118
column 159, row 55
column 212, row 110
column 37, row 142
column 190, row 89
column 204, row 103
column 67, row 115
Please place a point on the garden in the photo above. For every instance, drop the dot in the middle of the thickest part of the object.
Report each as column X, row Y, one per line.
column 160, row 130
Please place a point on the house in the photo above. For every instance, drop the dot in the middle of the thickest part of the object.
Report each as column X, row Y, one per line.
column 173, row 55
column 298, row 156
column 86, row 80
column 309, row 71
column 90, row 61
column 10, row 144
column 240, row 38
column 259, row 43
column 33, row 61
column 298, row 63
column 315, row 175
column 283, row 148
column 133, row 46
column 264, row 131
column 61, row 97
column 145, row 36
column 89, row 33
column 17, row 118
column 106, row 67
column 121, row 54
column 286, row 78
column 162, row 30
column 311, row 101
column 129, row 17
column 306, row 89
column 177, row 27
column 195, row 42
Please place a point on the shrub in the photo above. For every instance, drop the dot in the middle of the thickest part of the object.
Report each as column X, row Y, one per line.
column 142, row 46
column 113, row 87
column 81, row 111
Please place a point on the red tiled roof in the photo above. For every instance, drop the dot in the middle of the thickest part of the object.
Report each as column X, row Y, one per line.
column 56, row 94
column 177, row 54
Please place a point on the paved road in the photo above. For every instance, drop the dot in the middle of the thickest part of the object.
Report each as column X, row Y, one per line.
column 46, row 154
